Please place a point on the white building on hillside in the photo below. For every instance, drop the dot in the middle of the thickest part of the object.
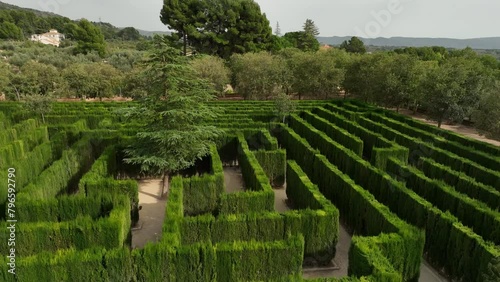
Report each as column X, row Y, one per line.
column 53, row 37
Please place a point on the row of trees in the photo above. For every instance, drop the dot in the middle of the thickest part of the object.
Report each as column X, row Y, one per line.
column 461, row 85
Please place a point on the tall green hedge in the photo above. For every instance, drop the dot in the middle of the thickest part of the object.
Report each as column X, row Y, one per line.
column 203, row 193
column 475, row 214
column 80, row 233
column 421, row 148
column 364, row 214
column 338, row 134
column 57, row 177
column 461, row 182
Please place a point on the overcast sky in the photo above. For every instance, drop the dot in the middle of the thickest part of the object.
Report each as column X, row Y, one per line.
column 368, row 18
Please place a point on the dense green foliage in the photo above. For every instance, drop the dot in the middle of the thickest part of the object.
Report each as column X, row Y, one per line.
column 173, row 112
column 221, row 27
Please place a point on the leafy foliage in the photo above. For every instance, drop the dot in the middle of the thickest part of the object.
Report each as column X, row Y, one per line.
column 218, row 27
column 173, row 112
column 284, row 106
column 39, row 104
column 258, row 75
column 354, row 45
column 88, row 37
column 214, row 70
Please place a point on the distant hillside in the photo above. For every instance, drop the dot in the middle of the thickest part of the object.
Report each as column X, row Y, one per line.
column 474, row 43
column 6, row 6
column 58, row 22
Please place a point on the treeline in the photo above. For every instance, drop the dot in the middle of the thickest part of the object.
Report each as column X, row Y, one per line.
column 20, row 24
column 446, row 85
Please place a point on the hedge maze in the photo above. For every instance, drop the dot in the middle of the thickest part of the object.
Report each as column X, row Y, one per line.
column 406, row 190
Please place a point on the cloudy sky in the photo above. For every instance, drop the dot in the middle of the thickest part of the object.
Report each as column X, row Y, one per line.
column 368, row 18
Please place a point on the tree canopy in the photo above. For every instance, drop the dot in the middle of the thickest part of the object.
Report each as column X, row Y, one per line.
column 88, row 37
column 311, row 28
column 354, row 45
column 174, row 113
column 218, row 27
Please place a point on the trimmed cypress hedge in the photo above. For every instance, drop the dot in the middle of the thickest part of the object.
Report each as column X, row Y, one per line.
column 27, row 169
column 461, row 182
column 364, row 214
column 416, row 210
column 262, row 140
column 338, row 134
column 259, row 195
column 366, row 259
column 56, row 178
column 203, row 193
column 465, row 141
column 81, row 233
column 174, row 213
column 63, row 208
column 482, row 159
column 475, row 214
column 375, row 146
column 259, row 261
column 423, row 149
column 274, row 165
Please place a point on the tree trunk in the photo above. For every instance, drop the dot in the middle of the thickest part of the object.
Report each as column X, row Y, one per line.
column 440, row 121
column 185, row 43
column 165, row 185
column 415, row 108
column 397, row 109
column 43, row 118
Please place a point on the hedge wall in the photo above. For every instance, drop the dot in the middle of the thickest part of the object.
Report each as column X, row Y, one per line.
column 81, row 233
column 27, row 169
column 487, row 148
column 57, row 177
column 363, row 213
column 461, row 182
column 64, row 208
column 422, row 149
column 259, row 195
column 371, row 140
column 262, row 140
column 203, row 193
column 274, row 165
column 475, row 214
column 259, row 261
column 481, row 158
column 338, row 134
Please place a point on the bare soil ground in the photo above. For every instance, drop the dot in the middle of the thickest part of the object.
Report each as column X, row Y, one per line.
column 280, row 199
column 458, row 128
column 233, row 179
column 151, row 215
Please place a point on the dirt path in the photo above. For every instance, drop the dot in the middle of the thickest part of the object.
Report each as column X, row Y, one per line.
column 151, row 215
column 233, row 179
column 458, row 128
column 341, row 259
column 280, row 199
column 429, row 274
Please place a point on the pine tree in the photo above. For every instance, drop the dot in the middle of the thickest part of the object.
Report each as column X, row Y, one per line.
column 277, row 32
column 310, row 28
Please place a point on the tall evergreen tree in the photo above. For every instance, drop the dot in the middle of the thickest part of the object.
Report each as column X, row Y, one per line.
column 174, row 114
column 218, row 27
column 277, row 31
column 310, row 28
